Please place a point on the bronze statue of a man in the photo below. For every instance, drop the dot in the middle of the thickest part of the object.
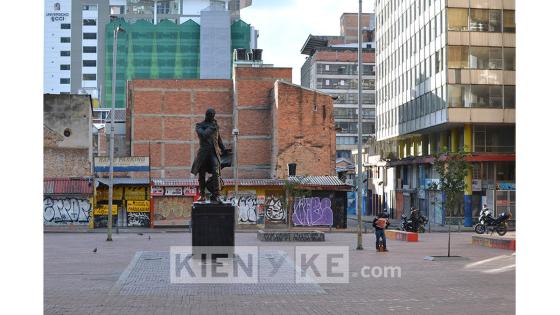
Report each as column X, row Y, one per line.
column 208, row 158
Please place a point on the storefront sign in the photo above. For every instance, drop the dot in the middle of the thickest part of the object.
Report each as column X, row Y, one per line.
column 173, row 191
column 135, row 193
column 190, row 191
column 138, row 206
column 104, row 210
column 157, row 191
column 123, row 164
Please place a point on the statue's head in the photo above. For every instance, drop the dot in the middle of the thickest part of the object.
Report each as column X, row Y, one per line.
column 210, row 113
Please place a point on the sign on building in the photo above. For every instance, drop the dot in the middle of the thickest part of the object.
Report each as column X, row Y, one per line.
column 173, row 191
column 138, row 206
column 104, row 210
column 123, row 164
column 157, row 191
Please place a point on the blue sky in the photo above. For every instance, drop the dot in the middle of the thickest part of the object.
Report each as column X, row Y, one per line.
column 285, row 25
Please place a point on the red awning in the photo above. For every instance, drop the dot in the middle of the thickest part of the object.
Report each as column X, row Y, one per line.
column 54, row 186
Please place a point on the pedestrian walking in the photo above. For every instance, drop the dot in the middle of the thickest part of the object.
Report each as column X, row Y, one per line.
column 380, row 224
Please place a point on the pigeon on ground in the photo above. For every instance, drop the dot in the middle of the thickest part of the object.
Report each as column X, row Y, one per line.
column 95, row 250
column 149, row 237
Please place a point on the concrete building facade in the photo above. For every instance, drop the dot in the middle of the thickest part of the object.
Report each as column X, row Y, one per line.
column 74, row 39
column 446, row 81
column 332, row 68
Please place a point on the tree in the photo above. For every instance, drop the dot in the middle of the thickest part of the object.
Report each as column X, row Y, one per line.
column 452, row 169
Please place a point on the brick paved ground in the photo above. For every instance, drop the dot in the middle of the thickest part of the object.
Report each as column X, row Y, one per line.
column 78, row 281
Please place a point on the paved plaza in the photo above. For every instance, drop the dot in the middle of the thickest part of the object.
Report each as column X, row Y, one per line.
column 131, row 276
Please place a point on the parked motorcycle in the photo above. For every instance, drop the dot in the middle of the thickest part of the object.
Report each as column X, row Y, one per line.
column 415, row 223
column 489, row 224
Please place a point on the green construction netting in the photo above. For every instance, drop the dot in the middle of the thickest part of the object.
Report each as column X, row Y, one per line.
column 163, row 51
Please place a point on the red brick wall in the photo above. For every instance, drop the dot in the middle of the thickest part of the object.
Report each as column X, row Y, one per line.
column 346, row 55
column 254, row 102
column 304, row 131
column 163, row 114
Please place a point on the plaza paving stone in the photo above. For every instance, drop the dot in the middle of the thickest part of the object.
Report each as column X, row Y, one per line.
column 79, row 281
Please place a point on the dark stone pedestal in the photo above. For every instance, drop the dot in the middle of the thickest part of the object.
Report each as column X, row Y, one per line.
column 213, row 225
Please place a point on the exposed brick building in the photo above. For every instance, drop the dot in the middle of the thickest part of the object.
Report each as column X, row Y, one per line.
column 278, row 123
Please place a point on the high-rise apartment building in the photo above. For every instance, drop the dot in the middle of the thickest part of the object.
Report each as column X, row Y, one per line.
column 73, row 31
column 74, row 55
column 332, row 67
column 446, row 80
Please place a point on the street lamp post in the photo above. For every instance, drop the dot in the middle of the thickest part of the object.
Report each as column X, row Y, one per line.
column 360, row 179
column 235, row 133
column 112, row 136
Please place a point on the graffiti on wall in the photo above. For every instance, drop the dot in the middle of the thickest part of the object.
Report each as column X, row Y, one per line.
column 250, row 207
column 274, row 210
column 312, row 211
column 66, row 211
column 138, row 219
column 175, row 210
column 247, row 209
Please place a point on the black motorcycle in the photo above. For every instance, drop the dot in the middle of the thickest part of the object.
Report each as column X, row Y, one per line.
column 489, row 224
column 415, row 223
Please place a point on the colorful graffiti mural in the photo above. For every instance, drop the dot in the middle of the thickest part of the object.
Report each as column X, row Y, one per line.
column 66, row 210
column 312, row 211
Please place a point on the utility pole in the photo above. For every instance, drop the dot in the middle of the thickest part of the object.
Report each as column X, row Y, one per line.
column 112, row 136
column 360, row 179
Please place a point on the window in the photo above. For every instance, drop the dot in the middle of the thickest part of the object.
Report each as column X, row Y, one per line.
column 457, row 19
column 88, row 63
column 457, row 95
column 88, row 76
column 117, row 9
column 90, row 35
column 90, row 49
column 509, row 96
column 480, row 96
column 509, row 58
column 458, row 57
column 495, row 20
column 495, row 58
column 90, row 22
column 64, row 81
column 478, row 20
column 495, row 98
column 437, row 61
column 509, row 21
column 65, row 39
column 65, row 53
column 479, row 57
column 64, row 67
column 65, row 26
column 89, row 7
